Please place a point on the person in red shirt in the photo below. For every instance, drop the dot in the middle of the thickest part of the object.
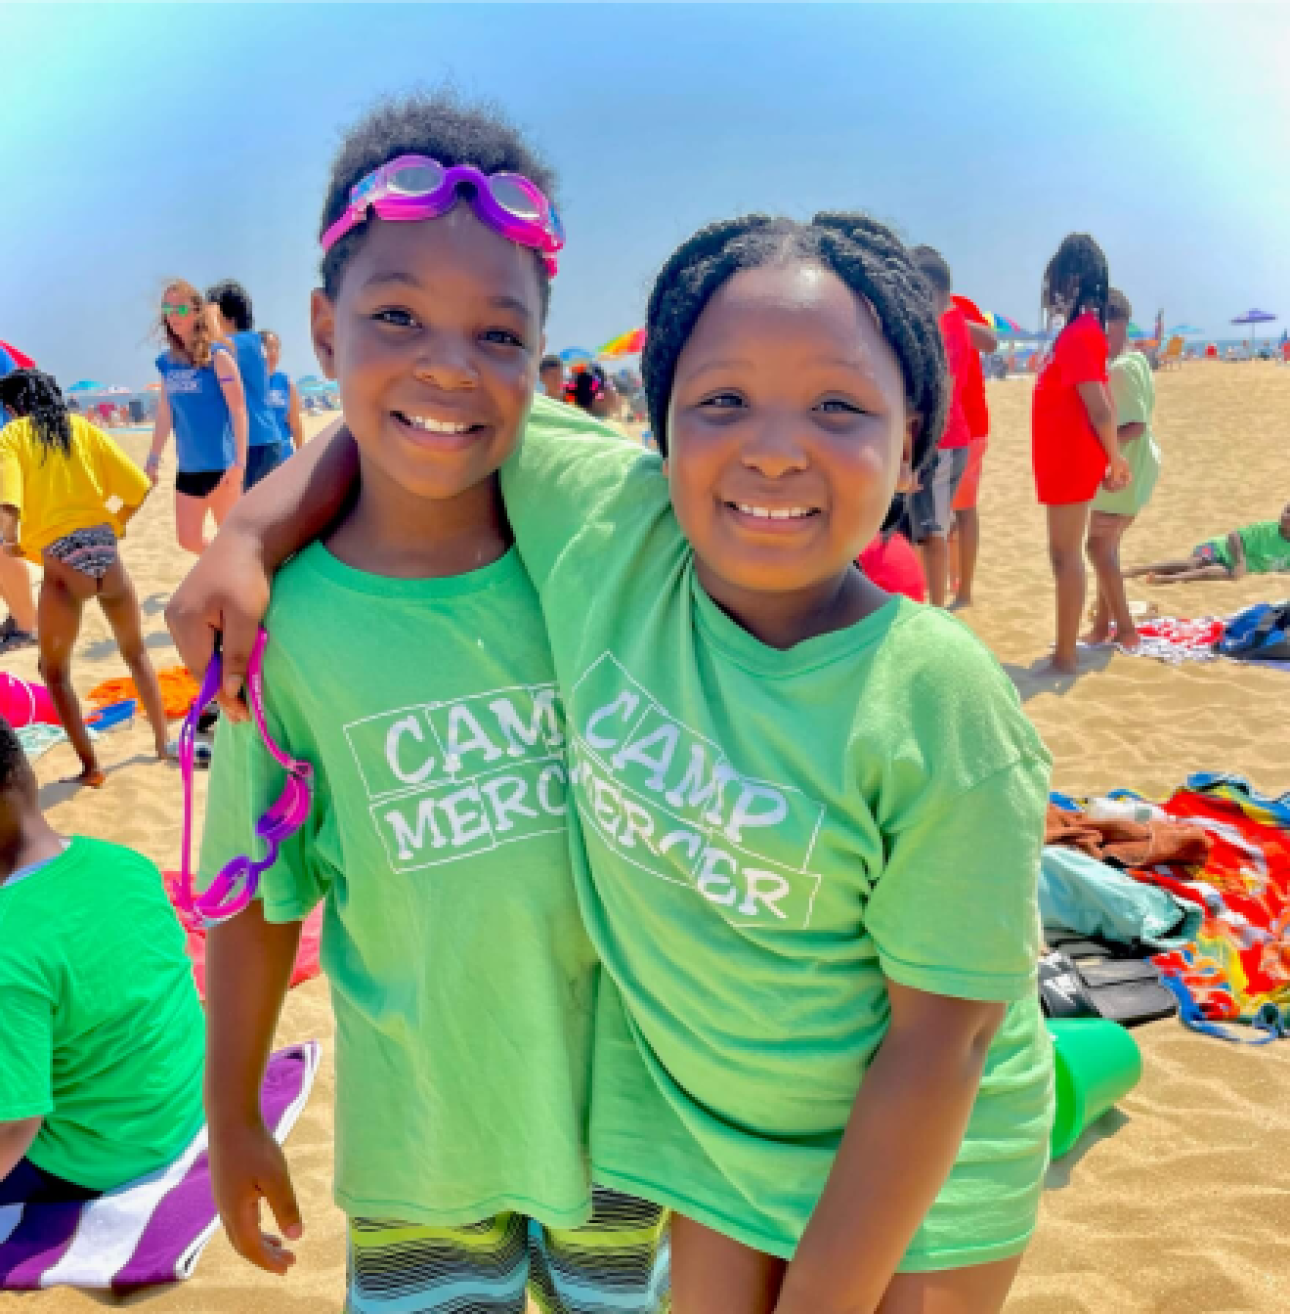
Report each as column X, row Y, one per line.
column 932, row 503
column 965, row 536
column 1075, row 445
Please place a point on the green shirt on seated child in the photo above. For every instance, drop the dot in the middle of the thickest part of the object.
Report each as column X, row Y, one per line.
column 1266, row 551
column 101, row 1030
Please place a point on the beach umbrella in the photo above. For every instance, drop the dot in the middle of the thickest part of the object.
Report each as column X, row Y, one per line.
column 152, row 387
column 86, row 385
column 20, row 358
column 577, row 356
column 1185, row 331
column 1004, row 326
column 1255, row 318
column 1136, row 332
column 625, row 344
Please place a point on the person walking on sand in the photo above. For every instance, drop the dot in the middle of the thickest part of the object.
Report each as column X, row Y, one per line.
column 202, row 400
column 58, row 474
column 1075, row 444
column 1134, row 392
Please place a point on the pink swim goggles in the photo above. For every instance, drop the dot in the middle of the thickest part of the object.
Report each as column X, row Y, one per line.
column 235, row 885
column 415, row 187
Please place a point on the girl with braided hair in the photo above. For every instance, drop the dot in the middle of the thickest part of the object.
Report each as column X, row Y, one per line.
column 1075, row 442
column 60, row 480
column 806, row 816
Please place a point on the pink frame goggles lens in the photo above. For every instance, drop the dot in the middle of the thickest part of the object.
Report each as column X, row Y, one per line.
column 415, row 187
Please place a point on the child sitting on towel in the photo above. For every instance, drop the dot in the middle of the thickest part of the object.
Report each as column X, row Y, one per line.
column 101, row 1032
column 1259, row 549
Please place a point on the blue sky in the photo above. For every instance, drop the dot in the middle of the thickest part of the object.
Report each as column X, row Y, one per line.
column 143, row 141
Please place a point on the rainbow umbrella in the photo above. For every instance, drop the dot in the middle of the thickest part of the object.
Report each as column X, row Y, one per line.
column 625, row 344
column 1003, row 324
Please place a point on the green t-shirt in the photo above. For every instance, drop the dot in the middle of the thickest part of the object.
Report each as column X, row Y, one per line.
column 763, row 835
column 101, row 1031
column 1266, row 552
column 461, row 976
column 1134, row 390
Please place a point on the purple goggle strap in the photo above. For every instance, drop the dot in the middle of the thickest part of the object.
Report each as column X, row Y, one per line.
column 213, row 905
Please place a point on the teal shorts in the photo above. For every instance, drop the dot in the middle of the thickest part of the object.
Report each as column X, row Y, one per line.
column 618, row 1263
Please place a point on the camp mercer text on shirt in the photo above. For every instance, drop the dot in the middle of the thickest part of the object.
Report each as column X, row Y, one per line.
column 253, row 365
column 203, row 428
column 760, row 837
column 101, row 1031
column 461, row 976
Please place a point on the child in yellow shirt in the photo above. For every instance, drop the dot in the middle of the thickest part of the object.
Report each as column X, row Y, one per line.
column 67, row 492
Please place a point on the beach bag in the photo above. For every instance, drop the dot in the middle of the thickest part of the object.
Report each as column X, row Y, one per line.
column 1259, row 634
column 24, row 702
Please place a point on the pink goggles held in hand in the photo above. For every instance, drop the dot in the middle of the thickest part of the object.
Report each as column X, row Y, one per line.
column 415, row 187
column 235, row 885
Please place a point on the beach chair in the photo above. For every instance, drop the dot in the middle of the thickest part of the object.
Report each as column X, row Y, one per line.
column 1172, row 354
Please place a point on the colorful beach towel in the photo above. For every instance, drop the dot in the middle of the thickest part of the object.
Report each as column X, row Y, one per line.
column 307, row 965
column 1238, row 969
column 151, row 1231
column 1169, row 639
column 178, row 689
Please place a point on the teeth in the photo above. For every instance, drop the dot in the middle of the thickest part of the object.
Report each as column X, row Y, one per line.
column 435, row 426
column 766, row 513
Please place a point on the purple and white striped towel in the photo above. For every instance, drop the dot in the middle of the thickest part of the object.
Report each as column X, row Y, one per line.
column 153, row 1230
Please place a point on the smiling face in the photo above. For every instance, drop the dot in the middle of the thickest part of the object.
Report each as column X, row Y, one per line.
column 272, row 351
column 434, row 338
column 787, row 425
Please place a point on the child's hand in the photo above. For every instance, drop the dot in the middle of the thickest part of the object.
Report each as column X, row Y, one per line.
column 247, row 1166
column 226, row 594
column 1119, row 475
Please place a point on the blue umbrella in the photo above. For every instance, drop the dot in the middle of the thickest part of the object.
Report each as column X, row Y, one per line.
column 86, row 385
column 1253, row 317
column 577, row 356
column 1185, row 331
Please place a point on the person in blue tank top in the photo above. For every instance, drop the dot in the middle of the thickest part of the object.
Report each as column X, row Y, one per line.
column 232, row 322
column 283, row 397
column 203, row 402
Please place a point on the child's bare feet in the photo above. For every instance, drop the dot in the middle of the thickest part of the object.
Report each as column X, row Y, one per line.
column 1059, row 666
column 1153, row 578
column 962, row 601
column 1128, row 641
column 1098, row 637
column 92, row 776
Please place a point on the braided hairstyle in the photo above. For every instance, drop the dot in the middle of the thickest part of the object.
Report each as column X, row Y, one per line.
column 32, row 395
column 438, row 124
column 865, row 254
column 1080, row 273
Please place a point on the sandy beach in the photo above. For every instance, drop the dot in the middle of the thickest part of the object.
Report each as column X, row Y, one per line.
column 1176, row 1204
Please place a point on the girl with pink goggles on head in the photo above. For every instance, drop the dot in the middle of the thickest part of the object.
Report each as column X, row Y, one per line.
column 415, row 187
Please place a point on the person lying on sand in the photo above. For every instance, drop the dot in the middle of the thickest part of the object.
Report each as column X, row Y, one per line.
column 1259, row 549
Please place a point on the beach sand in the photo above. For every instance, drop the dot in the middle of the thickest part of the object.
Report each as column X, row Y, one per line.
column 1177, row 1203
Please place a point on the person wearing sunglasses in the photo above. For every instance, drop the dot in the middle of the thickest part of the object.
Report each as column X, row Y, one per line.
column 405, row 769
column 203, row 401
